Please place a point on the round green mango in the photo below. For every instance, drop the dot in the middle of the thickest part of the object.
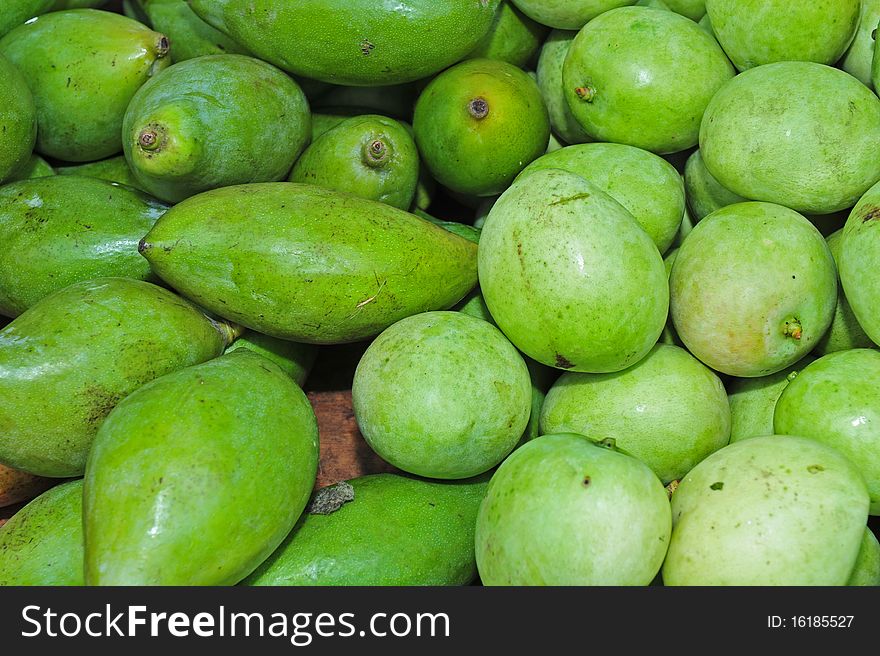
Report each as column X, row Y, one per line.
column 215, row 121
column 756, row 32
column 567, row 14
column 668, row 410
column 113, row 169
column 18, row 121
column 645, row 184
column 478, row 124
column 704, row 193
column 368, row 156
column 776, row 510
column 562, row 510
column 442, row 395
column 556, row 249
column 859, row 58
column 836, row 400
column 549, row 76
column 857, row 259
column 643, row 77
column 814, row 152
column 83, row 67
column 753, row 289
column 513, row 37
column 293, row 358
column 190, row 36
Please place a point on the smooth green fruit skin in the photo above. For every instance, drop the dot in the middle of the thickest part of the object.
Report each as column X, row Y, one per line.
column 198, row 476
column 18, row 120
column 359, row 265
column 756, row 32
column 845, row 332
column 567, row 14
column 83, row 67
column 646, row 185
column 867, row 568
column 294, row 359
column 643, row 77
column 84, row 349
column 442, row 395
column 190, row 36
column 35, row 167
column 775, row 510
column 836, row 401
column 859, row 253
column 396, row 531
column 668, row 410
column 556, row 249
column 549, row 77
column 463, row 230
column 355, row 42
column 704, row 193
column 693, row 9
column 514, row 38
column 753, row 401
column 473, row 154
column 15, row 12
column 753, row 289
column 215, row 121
column 58, row 230
column 114, row 169
column 563, row 511
column 815, row 152
column 859, row 58
column 368, row 156
column 42, row 544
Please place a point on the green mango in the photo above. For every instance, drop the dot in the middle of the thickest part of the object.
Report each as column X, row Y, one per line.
column 704, row 193
column 669, row 336
column 646, row 185
column 753, row 289
column 62, row 229
column 867, row 568
column 359, row 265
column 294, row 359
column 567, row 14
column 756, row 32
column 549, row 78
column 556, row 249
column 643, row 77
column 198, row 476
column 845, row 332
column 215, row 121
column 327, row 118
column 776, row 510
column 18, row 121
column 368, row 156
column 35, row 167
column 395, row 531
column 42, row 544
column 668, row 410
column 815, row 152
column 857, row 259
column 134, row 9
column 15, row 12
column 114, row 169
column 514, row 37
column 836, row 401
column 190, row 36
column 859, row 58
column 562, row 510
column 478, row 124
column 83, row 66
column 706, row 25
column 85, row 348
column 463, row 230
column 442, row 394
column 693, row 9
column 354, row 42
column 395, row 101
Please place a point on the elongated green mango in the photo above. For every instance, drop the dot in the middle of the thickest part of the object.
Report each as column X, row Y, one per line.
column 67, row 361
column 59, row 230
column 43, row 542
column 293, row 358
column 113, row 169
column 307, row 264
column 198, row 476
column 356, row 42
column 190, row 36
column 395, row 531
column 18, row 120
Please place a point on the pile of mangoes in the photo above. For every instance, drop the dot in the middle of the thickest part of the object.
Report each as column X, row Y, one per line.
column 615, row 264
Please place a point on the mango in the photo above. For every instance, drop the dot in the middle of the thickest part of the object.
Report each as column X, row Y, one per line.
column 35, row 167
column 198, row 476
column 646, row 185
column 669, row 336
column 355, row 42
column 358, row 266
column 776, row 510
column 296, row 360
column 83, row 66
column 15, row 12
column 753, row 289
column 756, row 32
column 395, row 531
column 18, row 120
column 43, row 542
column 567, row 14
column 866, row 571
column 514, row 37
column 113, row 169
column 442, row 395
column 86, row 347
column 17, row 486
column 555, row 249
column 190, row 36
column 815, row 152
column 58, row 230
column 859, row 250
column 836, row 401
column 693, row 9
column 704, row 193
column 213, row 122
column 859, row 58
column 368, row 156
column 562, row 510
column 549, row 78
column 463, row 230
column 478, row 124
column 644, row 77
